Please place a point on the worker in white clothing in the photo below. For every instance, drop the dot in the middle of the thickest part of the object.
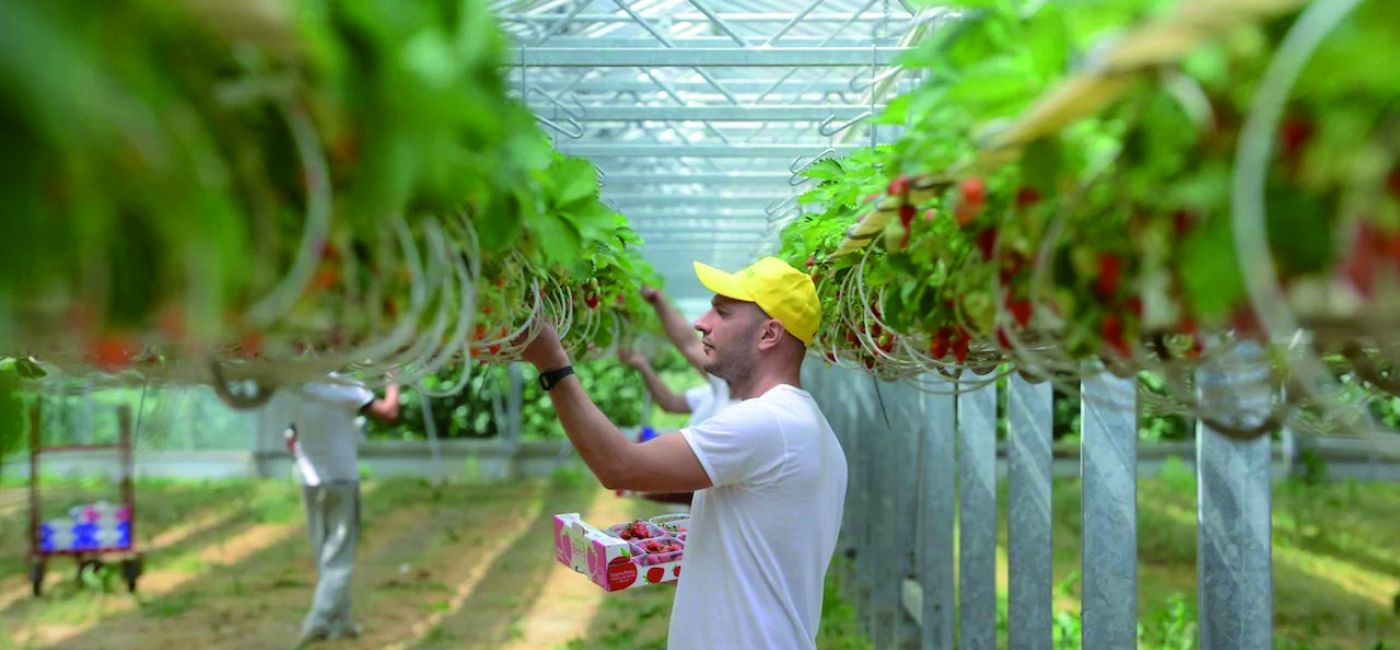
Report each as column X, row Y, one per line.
column 768, row 473
column 323, row 436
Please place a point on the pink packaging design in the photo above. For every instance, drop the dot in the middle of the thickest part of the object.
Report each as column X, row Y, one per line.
column 610, row 562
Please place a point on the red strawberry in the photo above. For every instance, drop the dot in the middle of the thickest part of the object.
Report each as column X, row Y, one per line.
column 1294, row 134
column 986, row 241
column 1183, row 221
column 621, row 298
column 1026, row 197
column 1112, row 330
column 655, row 574
column 1359, row 266
column 114, row 352
column 1112, row 327
column 899, row 186
column 1003, row 340
column 251, row 344
column 326, row 278
column 941, row 342
column 1020, row 310
column 811, row 261
column 869, row 363
column 885, row 342
column 906, row 215
column 974, row 191
column 960, row 344
column 591, row 300
column 851, row 337
column 500, row 283
column 1393, row 250
column 1244, row 321
column 1109, row 270
column 1135, row 306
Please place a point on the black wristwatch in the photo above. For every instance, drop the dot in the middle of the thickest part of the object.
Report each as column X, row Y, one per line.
column 552, row 378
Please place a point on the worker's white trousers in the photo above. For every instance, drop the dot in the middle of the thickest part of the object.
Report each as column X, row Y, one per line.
column 333, row 520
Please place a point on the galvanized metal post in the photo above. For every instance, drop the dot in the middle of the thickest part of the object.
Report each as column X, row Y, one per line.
column 863, row 400
column 1234, row 560
column 937, row 467
column 903, row 401
column 1109, row 539
column 884, row 596
column 1029, row 555
column 977, row 519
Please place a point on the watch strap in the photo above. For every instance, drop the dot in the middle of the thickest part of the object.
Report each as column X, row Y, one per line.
column 550, row 379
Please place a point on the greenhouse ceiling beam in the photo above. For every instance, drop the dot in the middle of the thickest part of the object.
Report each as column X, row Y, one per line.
column 790, row 112
column 738, row 86
column 650, row 218
column 695, row 17
column 695, row 223
column 791, row 57
column 701, row 150
column 724, row 42
column 664, row 199
column 702, row 237
column 732, row 179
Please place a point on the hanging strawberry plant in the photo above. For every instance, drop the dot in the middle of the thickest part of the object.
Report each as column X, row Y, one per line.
column 1035, row 215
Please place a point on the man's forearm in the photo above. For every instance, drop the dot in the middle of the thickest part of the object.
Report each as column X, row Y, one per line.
column 680, row 332
column 666, row 398
column 677, row 329
column 601, row 445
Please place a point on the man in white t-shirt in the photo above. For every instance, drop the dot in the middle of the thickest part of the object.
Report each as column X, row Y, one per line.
column 769, row 475
column 323, row 432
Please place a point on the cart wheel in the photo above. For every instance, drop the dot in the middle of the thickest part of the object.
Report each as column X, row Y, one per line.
column 36, row 576
column 132, row 568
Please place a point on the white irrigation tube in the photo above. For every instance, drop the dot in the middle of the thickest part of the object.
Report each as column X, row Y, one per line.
column 1247, row 200
column 427, row 346
column 461, row 345
column 407, row 326
column 272, row 306
column 430, row 427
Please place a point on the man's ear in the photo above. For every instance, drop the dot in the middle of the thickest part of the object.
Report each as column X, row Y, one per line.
column 771, row 335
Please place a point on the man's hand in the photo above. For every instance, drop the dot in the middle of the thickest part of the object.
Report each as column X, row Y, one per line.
column 631, row 357
column 650, row 294
column 545, row 352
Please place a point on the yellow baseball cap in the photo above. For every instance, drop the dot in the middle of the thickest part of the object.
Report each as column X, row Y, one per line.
column 787, row 294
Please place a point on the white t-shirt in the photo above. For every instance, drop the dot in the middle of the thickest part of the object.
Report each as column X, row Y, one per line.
column 705, row 401
column 325, row 415
column 761, row 539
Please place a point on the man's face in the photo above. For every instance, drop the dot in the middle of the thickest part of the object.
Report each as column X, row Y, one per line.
column 731, row 331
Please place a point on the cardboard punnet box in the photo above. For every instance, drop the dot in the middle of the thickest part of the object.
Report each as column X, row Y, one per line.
column 610, row 562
